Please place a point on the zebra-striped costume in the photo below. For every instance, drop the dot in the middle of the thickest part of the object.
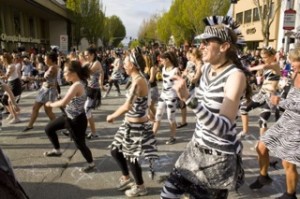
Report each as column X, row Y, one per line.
column 211, row 163
column 283, row 138
column 136, row 139
column 168, row 97
column 261, row 99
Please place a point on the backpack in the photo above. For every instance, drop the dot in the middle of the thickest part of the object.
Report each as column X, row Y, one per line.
column 9, row 186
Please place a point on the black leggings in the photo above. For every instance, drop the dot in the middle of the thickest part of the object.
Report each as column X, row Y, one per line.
column 77, row 128
column 135, row 168
column 116, row 83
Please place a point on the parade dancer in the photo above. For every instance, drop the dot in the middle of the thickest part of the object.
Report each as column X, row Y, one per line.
column 271, row 73
column 13, row 80
column 168, row 97
column 210, row 166
column 48, row 91
column 75, row 119
column 134, row 137
column 9, row 101
column 283, row 138
column 93, row 90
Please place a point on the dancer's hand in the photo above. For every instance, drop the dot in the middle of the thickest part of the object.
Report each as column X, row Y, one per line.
column 180, row 88
column 110, row 119
column 48, row 104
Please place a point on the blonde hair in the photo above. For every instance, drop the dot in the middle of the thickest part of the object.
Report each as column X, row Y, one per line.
column 197, row 53
column 7, row 58
column 294, row 54
column 148, row 64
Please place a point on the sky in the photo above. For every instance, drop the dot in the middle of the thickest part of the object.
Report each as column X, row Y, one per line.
column 133, row 12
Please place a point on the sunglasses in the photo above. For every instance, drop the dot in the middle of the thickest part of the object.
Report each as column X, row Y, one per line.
column 206, row 42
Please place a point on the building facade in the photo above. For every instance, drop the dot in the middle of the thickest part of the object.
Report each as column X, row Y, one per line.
column 246, row 13
column 33, row 23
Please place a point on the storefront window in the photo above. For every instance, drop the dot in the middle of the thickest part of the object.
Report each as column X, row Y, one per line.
column 248, row 16
column 239, row 17
column 31, row 28
column 255, row 14
column 17, row 23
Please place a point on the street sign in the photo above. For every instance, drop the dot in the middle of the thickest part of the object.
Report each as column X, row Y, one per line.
column 289, row 19
column 63, row 43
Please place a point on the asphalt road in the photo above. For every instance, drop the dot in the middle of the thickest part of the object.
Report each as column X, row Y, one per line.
column 60, row 178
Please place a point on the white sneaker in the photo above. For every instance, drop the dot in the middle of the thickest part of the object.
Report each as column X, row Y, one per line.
column 241, row 134
column 136, row 191
column 125, row 184
column 9, row 117
column 14, row 121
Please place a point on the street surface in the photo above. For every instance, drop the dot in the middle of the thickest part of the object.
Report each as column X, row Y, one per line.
column 60, row 178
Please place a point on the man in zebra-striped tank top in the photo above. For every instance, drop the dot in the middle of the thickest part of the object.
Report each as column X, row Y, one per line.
column 211, row 165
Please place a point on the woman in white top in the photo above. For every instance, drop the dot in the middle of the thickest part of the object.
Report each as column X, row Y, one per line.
column 168, row 97
column 14, row 82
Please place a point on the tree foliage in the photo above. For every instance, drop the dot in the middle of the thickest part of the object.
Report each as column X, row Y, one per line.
column 74, row 9
column 266, row 12
column 89, row 21
column 183, row 20
column 163, row 30
column 115, row 31
column 148, row 30
column 88, row 18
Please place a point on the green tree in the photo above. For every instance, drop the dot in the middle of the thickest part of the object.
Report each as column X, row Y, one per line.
column 88, row 19
column 115, row 31
column 163, row 28
column 74, row 10
column 93, row 18
column 148, row 30
column 134, row 43
column 184, row 19
column 267, row 11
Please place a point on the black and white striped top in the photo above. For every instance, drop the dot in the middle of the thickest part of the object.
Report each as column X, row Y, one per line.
column 213, row 130
column 76, row 105
column 168, row 92
column 139, row 108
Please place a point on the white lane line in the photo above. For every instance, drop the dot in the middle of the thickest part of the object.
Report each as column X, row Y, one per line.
column 28, row 94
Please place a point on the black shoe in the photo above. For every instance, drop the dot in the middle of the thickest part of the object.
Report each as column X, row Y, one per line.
column 180, row 125
column 87, row 169
column 287, row 196
column 260, row 182
column 27, row 129
column 172, row 140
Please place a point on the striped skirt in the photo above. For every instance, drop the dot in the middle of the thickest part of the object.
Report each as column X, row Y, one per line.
column 283, row 138
column 134, row 140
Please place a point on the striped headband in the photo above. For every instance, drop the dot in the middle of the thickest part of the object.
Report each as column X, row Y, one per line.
column 133, row 59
